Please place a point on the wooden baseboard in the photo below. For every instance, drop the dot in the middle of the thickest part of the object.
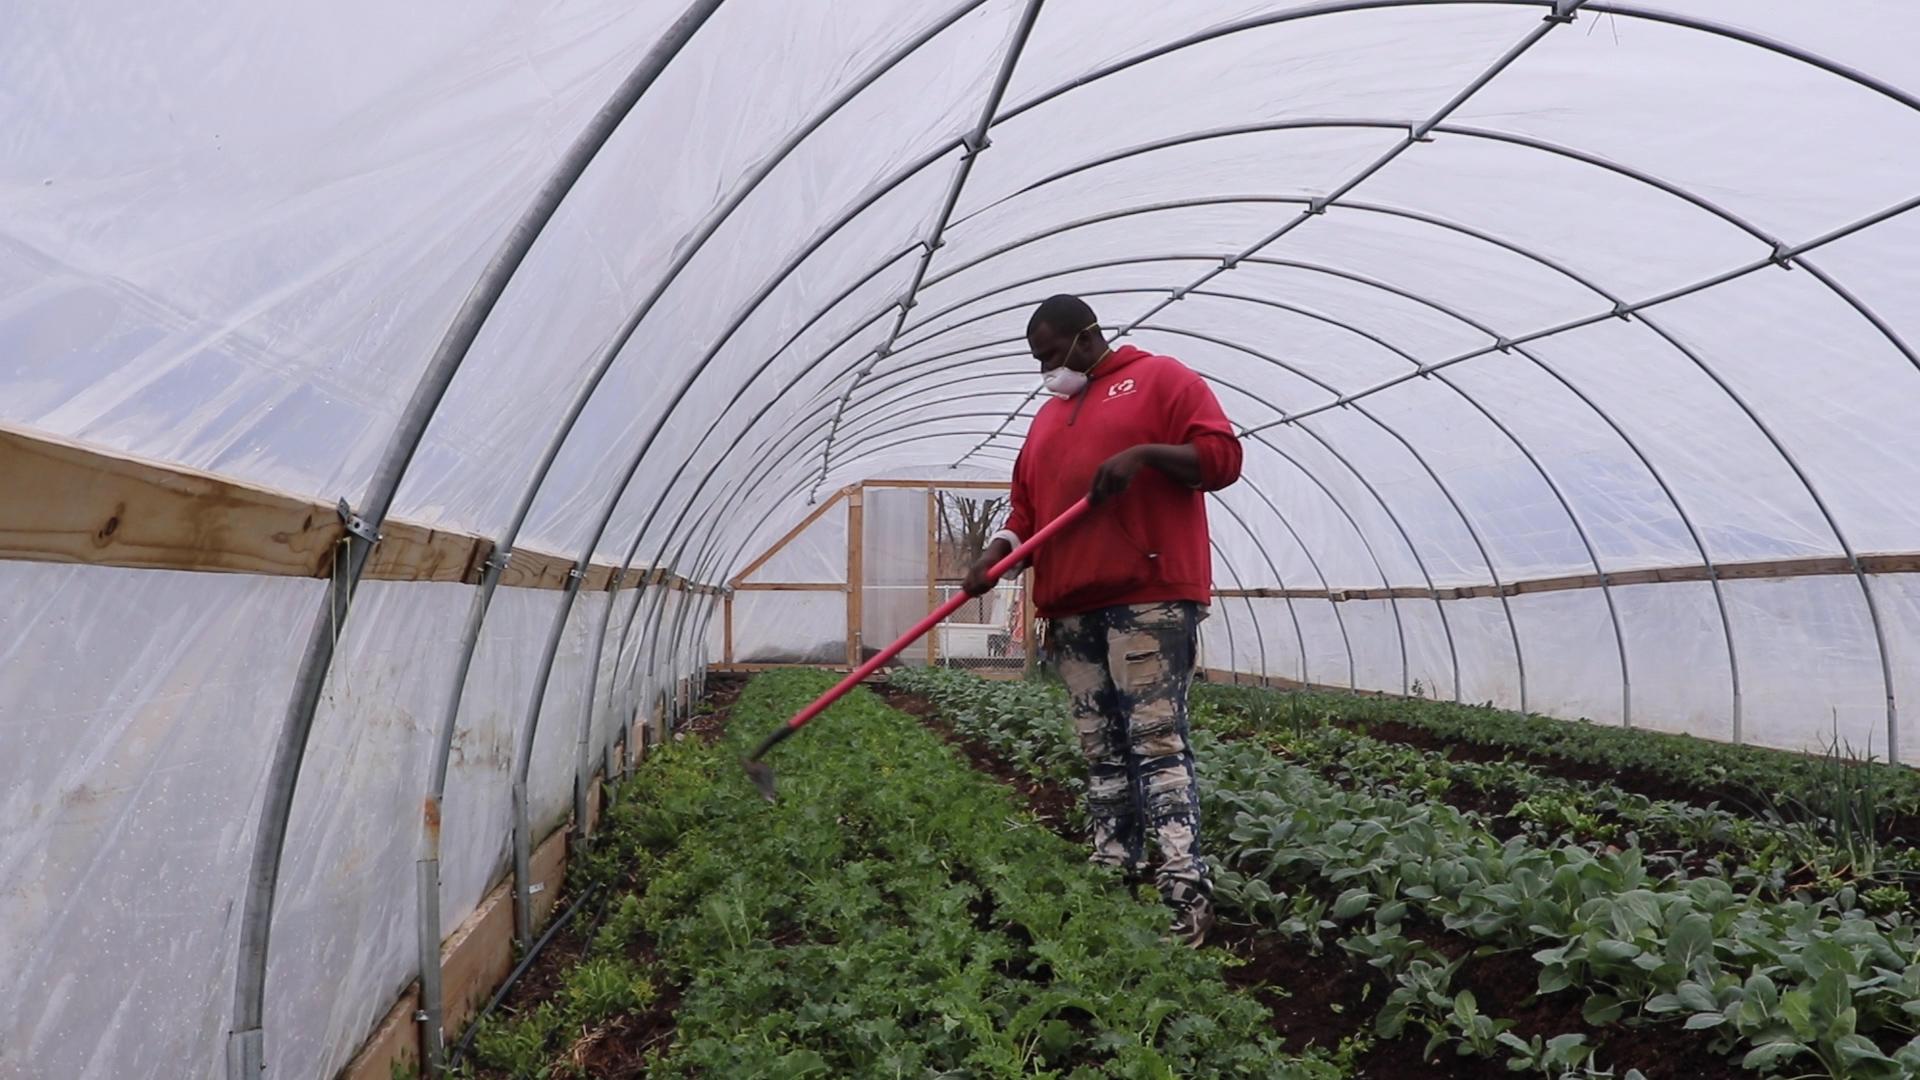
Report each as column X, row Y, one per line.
column 474, row 960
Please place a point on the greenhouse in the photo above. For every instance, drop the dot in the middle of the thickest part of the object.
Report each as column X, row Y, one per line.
column 439, row 441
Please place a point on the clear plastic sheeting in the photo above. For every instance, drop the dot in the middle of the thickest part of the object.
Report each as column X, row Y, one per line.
column 790, row 627
column 1576, row 364
column 818, row 554
column 132, row 767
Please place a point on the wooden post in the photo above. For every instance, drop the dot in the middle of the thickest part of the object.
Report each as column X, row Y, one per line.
column 726, row 650
column 933, row 573
column 1032, row 626
column 856, row 547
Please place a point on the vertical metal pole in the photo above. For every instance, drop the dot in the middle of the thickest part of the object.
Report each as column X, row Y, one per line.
column 246, row 1047
column 1030, row 626
column 933, row 563
column 1259, row 636
column 523, row 763
column 856, row 576
column 583, row 758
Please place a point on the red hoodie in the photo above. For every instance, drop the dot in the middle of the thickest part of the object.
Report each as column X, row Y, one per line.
column 1149, row 543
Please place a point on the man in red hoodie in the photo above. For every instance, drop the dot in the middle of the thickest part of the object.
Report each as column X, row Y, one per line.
column 1125, row 587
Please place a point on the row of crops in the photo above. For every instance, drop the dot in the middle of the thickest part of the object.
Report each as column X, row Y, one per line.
column 1768, row 926
column 1412, row 889
column 894, row 914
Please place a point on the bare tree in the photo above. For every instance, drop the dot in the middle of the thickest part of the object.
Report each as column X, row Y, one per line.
column 968, row 522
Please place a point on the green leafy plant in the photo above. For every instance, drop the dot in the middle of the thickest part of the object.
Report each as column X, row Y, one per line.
column 1636, row 934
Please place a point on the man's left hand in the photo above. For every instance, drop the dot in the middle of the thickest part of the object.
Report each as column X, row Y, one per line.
column 1115, row 474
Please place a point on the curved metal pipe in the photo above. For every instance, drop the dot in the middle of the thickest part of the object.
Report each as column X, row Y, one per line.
column 1325, row 9
column 714, row 524
column 1272, row 569
column 1259, row 636
column 1352, row 522
column 975, row 144
column 1680, row 510
column 1405, row 536
column 523, row 758
column 246, row 1041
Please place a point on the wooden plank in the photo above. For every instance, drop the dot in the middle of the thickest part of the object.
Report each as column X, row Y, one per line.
column 856, row 573
column 477, row 957
column 789, row 586
column 408, row 552
column 1901, row 563
column 548, row 868
column 950, row 485
column 751, row 668
column 726, row 651
column 67, row 502
column 63, row 502
column 394, row 1044
column 595, row 796
column 1773, row 569
column 818, row 512
column 598, row 578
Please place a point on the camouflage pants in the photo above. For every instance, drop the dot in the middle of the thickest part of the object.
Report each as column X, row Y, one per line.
column 1127, row 671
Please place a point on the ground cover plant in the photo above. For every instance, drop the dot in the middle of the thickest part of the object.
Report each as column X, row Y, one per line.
column 1846, row 785
column 1755, row 845
column 894, row 914
column 1647, row 963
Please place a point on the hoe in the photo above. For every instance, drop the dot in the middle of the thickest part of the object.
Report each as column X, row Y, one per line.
column 762, row 774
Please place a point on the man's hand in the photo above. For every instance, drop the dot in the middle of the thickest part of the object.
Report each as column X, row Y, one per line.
column 1181, row 464
column 1116, row 473
column 978, row 583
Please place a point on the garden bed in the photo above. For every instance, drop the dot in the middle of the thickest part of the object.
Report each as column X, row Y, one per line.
column 1519, row 949
column 894, row 914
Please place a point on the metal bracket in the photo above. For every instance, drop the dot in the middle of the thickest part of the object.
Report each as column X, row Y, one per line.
column 975, row 141
column 356, row 525
column 1179, row 293
column 1505, row 345
column 1564, row 11
column 1621, row 312
column 573, row 573
column 536, row 887
column 1782, row 255
column 928, row 247
column 1228, row 262
column 907, row 303
column 1316, row 205
column 1421, row 132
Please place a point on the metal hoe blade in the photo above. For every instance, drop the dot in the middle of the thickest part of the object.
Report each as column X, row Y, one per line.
column 761, row 774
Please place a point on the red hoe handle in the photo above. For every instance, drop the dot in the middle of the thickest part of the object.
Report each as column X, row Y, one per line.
column 763, row 776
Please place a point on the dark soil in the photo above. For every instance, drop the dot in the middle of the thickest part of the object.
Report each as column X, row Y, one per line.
column 1315, row 1000
column 1318, row 1000
column 722, row 692
column 1641, row 781
column 620, row 1048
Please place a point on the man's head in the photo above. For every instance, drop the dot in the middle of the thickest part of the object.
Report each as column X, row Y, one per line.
column 1063, row 332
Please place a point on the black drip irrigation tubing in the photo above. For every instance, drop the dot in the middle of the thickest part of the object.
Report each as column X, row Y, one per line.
column 465, row 1044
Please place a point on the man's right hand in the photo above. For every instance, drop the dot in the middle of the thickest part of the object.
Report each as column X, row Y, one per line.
column 978, row 582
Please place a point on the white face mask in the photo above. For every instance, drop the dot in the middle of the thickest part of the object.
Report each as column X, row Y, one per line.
column 1063, row 381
